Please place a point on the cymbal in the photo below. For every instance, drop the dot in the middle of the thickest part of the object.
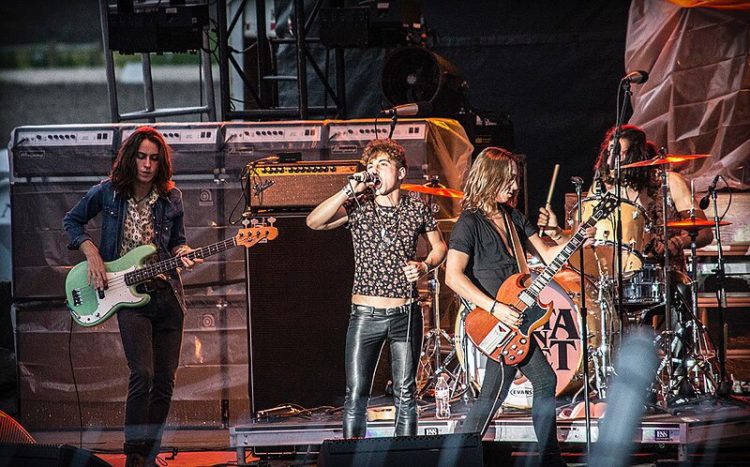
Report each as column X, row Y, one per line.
column 435, row 191
column 693, row 225
column 668, row 159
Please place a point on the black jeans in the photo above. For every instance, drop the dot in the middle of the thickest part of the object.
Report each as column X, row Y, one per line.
column 495, row 387
column 151, row 337
column 367, row 333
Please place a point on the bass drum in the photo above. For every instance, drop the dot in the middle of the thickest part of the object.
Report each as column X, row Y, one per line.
column 599, row 258
column 559, row 339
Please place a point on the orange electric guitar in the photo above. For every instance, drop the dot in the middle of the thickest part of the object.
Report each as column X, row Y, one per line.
column 509, row 344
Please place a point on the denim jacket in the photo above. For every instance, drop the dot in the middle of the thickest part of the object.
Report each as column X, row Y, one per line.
column 168, row 224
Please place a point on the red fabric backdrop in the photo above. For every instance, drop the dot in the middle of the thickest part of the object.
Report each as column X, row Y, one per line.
column 697, row 99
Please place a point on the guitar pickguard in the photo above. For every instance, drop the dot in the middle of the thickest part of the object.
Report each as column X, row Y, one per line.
column 89, row 305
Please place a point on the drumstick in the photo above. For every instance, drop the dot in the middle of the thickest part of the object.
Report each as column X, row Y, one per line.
column 548, row 204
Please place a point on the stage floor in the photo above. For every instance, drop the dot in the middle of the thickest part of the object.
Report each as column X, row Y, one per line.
column 691, row 427
column 715, row 429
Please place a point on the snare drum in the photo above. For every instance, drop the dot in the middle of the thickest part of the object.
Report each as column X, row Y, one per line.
column 645, row 287
column 559, row 339
column 599, row 259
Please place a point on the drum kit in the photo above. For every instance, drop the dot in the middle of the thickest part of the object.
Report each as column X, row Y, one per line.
column 689, row 362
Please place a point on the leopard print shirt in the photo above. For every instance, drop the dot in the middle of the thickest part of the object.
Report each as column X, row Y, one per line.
column 384, row 238
column 138, row 228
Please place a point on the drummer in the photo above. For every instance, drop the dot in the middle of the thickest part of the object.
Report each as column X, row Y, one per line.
column 641, row 186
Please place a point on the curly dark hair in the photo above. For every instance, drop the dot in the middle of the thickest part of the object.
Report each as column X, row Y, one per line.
column 395, row 151
column 124, row 171
column 640, row 149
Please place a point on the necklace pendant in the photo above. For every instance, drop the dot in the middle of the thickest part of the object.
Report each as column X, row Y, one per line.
column 386, row 239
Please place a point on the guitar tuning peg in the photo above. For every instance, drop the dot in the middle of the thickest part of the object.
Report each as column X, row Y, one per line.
column 271, row 220
column 254, row 222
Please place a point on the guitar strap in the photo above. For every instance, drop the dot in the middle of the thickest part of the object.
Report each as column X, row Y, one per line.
column 515, row 242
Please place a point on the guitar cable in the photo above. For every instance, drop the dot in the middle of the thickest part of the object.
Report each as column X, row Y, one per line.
column 75, row 384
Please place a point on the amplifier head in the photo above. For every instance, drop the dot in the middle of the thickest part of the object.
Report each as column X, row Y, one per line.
column 295, row 186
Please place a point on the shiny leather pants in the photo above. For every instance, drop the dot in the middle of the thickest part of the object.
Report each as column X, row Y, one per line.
column 368, row 331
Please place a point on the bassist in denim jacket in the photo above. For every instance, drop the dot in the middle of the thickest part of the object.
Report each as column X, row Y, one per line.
column 140, row 205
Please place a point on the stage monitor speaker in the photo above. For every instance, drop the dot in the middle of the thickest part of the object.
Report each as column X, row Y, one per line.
column 300, row 297
column 12, row 432
column 43, row 455
column 438, row 450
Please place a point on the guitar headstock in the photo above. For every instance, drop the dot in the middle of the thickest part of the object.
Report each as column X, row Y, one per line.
column 251, row 235
column 605, row 206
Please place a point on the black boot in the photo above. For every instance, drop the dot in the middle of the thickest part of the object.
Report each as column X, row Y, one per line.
column 136, row 452
column 151, row 451
column 135, row 459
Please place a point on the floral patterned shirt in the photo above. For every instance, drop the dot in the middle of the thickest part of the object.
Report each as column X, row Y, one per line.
column 384, row 238
column 138, row 228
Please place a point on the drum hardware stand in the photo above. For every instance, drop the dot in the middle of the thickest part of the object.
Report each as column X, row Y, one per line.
column 668, row 327
column 470, row 392
column 699, row 355
column 432, row 341
column 605, row 346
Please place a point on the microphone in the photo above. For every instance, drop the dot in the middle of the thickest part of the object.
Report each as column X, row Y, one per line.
column 409, row 110
column 635, row 77
column 703, row 204
column 365, row 177
column 577, row 181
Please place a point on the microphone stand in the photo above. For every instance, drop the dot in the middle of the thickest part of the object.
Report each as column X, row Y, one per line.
column 614, row 154
column 584, row 328
column 394, row 121
column 722, row 294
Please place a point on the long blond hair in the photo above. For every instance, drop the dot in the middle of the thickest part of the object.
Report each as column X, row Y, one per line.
column 491, row 171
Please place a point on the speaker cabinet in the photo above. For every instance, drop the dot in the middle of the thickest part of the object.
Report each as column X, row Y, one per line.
column 210, row 389
column 62, row 150
column 439, row 450
column 41, row 258
column 300, row 296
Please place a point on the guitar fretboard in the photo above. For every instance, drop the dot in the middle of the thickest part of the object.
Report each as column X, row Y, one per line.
column 152, row 270
column 543, row 279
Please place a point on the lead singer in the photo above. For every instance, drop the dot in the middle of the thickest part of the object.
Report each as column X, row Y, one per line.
column 385, row 227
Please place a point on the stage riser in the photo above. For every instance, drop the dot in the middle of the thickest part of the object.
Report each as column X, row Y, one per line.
column 213, row 367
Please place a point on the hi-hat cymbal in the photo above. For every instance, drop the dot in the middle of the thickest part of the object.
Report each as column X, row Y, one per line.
column 693, row 225
column 668, row 159
column 433, row 190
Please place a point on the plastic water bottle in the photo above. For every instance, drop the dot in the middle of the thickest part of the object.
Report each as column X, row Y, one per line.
column 442, row 399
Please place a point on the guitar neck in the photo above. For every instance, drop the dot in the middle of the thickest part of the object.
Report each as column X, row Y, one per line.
column 554, row 267
column 152, row 270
